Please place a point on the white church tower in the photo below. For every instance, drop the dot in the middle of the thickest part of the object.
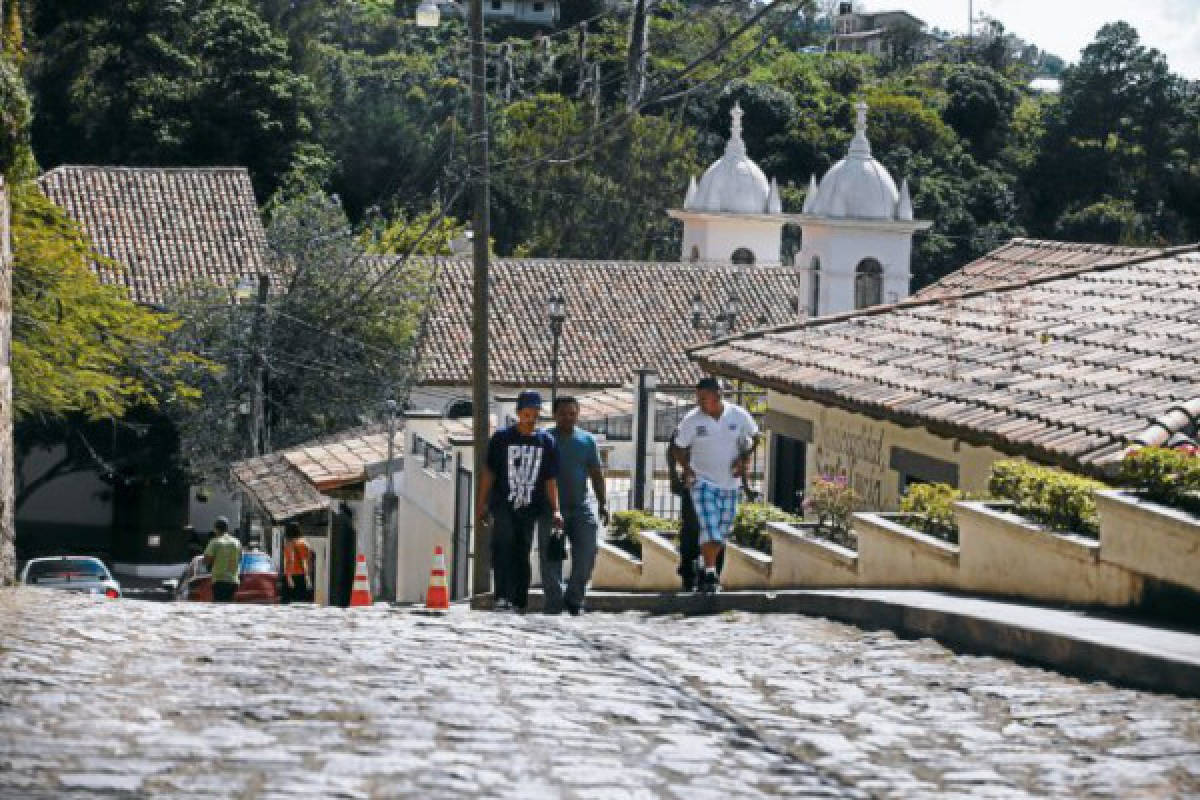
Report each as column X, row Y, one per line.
column 734, row 213
column 856, row 232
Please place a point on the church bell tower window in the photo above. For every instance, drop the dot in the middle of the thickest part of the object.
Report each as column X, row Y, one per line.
column 742, row 255
column 868, row 283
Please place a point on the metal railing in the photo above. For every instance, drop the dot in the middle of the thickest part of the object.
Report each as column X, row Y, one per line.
column 433, row 457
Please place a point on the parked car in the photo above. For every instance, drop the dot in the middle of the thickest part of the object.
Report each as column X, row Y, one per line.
column 260, row 581
column 71, row 573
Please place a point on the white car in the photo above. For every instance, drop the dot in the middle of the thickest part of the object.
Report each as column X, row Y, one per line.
column 72, row 573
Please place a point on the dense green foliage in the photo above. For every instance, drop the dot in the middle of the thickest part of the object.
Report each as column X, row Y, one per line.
column 626, row 526
column 79, row 345
column 1165, row 476
column 931, row 509
column 353, row 95
column 325, row 370
column 1059, row 500
column 750, row 524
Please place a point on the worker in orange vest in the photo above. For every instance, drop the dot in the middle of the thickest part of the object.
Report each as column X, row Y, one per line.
column 297, row 566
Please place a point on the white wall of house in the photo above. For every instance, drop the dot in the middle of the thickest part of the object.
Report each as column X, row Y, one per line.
column 77, row 498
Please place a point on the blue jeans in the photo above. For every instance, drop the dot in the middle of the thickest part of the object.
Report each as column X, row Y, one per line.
column 581, row 529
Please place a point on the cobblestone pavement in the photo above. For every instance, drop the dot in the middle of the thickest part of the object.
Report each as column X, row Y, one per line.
column 112, row 699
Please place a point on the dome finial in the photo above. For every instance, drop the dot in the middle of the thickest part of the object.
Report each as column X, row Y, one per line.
column 860, row 147
column 735, row 145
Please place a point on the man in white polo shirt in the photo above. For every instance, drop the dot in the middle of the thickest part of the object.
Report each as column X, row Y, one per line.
column 713, row 445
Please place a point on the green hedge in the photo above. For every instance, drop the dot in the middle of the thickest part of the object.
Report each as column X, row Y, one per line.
column 932, row 508
column 750, row 524
column 1165, row 476
column 625, row 526
column 1059, row 500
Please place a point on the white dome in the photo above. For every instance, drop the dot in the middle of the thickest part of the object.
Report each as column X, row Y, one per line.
column 733, row 183
column 858, row 186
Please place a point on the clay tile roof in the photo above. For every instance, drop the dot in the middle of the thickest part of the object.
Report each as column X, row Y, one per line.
column 1071, row 370
column 289, row 483
column 168, row 228
column 620, row 316
column 1025, row 259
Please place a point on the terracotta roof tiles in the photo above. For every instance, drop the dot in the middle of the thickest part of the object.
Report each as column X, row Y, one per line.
column 1071, row 369
column 167, row 228
column 620, row 316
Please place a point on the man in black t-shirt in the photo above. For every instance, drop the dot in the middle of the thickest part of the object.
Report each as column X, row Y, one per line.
column 519, row 485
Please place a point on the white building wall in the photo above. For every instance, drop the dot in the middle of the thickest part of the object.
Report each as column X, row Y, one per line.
column 840, row 250
column 716, row 239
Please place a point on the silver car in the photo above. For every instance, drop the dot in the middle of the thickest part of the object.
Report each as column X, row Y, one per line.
column 72, row 573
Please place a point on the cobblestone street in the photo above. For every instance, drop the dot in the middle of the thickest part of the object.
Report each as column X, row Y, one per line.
column 110, row 699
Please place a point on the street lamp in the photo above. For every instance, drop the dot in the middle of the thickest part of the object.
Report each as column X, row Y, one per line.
column 556, row 306
column 697, row 310
column 391, row 503
column 428, row 16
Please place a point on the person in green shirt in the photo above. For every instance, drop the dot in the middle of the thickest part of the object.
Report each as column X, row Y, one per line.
column 223, row 557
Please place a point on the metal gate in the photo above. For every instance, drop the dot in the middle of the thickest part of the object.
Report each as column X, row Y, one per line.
column 460, row 569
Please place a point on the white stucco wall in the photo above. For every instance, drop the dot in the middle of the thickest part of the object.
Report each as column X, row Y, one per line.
column 717, row 238
column 841, row 249
column 861, row 447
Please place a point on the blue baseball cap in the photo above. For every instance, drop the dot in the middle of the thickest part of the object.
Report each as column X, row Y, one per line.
column 529, row 399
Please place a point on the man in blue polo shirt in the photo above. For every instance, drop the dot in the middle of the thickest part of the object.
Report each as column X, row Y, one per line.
column 578, row 463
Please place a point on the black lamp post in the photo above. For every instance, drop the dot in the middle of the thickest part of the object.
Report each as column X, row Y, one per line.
column 556, row 307
column 723, row 323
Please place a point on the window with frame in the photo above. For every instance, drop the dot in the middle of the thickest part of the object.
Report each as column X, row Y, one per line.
column 868, row 283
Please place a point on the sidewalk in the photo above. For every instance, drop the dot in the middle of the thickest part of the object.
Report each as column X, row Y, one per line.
column 1084, row 643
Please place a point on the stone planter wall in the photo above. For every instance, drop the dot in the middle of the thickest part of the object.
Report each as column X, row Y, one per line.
column 1001, row 553
column 891, row 554
column 800, row 560
column 745, row 568
column 660, row 562
column 616, row 570
column 1149, row 539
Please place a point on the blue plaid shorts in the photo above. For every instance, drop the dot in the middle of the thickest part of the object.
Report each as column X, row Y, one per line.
column 715, row 509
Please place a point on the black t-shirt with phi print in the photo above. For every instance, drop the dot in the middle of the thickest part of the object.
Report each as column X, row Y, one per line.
column 522, row 465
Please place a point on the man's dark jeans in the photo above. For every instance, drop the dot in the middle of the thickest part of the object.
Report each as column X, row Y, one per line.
column 512, row 542
column 689, row 543
column 580, row 529
column 223, row 591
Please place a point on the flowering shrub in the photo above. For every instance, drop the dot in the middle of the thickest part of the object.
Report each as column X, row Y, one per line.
column 832, row 500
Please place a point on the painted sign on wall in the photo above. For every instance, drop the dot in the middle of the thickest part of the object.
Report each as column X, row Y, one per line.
column 857, row 452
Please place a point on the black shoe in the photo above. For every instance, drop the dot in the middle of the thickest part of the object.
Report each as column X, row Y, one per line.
column 574, row 611
column 709, row 583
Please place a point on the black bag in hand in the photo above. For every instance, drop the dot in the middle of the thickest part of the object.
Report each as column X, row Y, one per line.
column 556, row 546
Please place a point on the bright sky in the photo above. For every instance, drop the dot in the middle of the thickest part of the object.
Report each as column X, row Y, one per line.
column 1064, row 27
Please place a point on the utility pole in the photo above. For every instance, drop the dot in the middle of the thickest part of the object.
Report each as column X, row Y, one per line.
column 258, row 422
column 639, row 44
column 391, row 536
column 482, row 567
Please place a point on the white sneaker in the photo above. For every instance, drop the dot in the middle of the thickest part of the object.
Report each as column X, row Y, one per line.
column 502, row 604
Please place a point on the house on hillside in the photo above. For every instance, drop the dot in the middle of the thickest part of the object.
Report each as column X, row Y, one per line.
column 545, row 12
column 869, row 31
column 167, row 229
column 1061, row 353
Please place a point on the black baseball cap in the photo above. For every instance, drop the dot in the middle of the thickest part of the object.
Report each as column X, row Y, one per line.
column 529, row 399
column 708, row 384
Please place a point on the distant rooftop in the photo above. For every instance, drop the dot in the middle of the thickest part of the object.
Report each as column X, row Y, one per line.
column 168, row 228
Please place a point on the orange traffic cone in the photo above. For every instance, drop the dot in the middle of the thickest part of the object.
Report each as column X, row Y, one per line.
column 360, row 595
column 438, row 596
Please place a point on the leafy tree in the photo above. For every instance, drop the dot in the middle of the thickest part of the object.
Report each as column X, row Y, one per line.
column 79, row 345
column 190, row 82
column 338, row 338
column 1106, row 222
column 16, row 158
column 980, row 107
